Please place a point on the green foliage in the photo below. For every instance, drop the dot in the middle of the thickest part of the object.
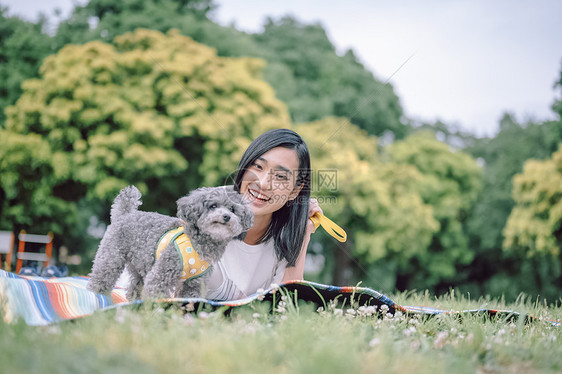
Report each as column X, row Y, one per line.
column 503, row 157
column 378, row 203
column 496, row 271
column 535, row 223
column 450, row 182
column 302, row 64
column 316, row 82
column 159, row 111
column 104, row 20
column 22, row 48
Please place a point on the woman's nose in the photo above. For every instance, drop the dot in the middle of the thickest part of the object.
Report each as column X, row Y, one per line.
column 265, row 181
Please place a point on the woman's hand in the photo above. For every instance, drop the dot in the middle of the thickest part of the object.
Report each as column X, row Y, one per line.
column 313, row 208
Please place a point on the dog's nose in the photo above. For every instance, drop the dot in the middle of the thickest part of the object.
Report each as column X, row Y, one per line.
column 226, row 218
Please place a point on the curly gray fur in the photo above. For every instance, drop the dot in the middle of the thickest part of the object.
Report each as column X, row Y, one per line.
column 211, row 218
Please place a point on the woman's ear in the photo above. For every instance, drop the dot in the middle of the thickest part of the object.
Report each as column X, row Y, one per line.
column 295, row 192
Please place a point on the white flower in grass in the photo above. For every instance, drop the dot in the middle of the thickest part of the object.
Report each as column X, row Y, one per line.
column 321, row 310
column 366, row 311
column 188, row 319
column 203, row 315
column 274, row 287
column 350, row 313
column 256, row 315
column 338, row 312
column 439, row 341
column 281, row 307
column 283, row 317
column 261, row 294
column 190, row 307
column 374, row 342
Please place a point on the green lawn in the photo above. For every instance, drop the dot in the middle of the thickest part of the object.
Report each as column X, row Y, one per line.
column 293, row 339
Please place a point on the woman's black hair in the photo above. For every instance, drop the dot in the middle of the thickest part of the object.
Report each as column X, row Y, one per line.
column 288, row 224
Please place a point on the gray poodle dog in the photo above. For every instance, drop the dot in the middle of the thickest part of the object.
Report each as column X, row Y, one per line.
column 210, row 217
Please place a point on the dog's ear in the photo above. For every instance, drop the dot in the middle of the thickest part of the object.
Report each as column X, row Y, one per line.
column 190, row 208
column 240, row 237
column 248, row 218
column 242, row 210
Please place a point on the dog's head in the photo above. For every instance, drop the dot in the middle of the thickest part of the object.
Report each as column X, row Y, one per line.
column 219, row 212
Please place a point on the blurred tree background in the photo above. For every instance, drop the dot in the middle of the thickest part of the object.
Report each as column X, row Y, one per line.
column 156, row 94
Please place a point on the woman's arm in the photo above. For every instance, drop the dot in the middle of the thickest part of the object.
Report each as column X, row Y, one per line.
column 297, row 272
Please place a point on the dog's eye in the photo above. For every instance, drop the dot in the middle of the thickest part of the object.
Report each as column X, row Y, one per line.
column 232, row 209
column 213, row 206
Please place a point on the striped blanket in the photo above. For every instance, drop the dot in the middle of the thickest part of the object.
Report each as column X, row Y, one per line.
column 41, row 301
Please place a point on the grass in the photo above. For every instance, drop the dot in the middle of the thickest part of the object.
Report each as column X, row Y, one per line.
column 295, row 338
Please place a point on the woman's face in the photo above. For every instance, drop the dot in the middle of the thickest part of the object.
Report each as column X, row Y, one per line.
column 270, row 181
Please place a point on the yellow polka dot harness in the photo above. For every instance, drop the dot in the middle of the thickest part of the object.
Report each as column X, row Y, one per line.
column 192, row 265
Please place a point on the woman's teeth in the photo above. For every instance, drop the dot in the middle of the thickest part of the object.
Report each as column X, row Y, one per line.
column 257, row 195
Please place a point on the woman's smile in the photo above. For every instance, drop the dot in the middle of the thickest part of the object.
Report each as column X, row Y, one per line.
column 258, row 196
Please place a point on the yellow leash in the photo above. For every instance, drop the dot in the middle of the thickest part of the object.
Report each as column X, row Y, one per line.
column 330, row 226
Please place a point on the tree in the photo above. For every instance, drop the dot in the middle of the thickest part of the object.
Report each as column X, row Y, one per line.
column 104, row 20
column 503, row 157
column 159, row 111
column 315, row 81
column 22, row 49
column 302, row 64
column 535, row 223
column 450, row 183
column 377, row 204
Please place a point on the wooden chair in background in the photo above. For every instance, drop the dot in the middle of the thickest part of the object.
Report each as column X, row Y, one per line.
column 44, row 257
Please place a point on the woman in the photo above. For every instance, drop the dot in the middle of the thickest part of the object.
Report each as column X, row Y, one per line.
column 274, row 176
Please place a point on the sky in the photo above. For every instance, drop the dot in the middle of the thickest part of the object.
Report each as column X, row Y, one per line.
column 459, row 61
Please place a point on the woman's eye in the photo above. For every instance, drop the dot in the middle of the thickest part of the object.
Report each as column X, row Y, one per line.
column 257, row 166
column 282, row 177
